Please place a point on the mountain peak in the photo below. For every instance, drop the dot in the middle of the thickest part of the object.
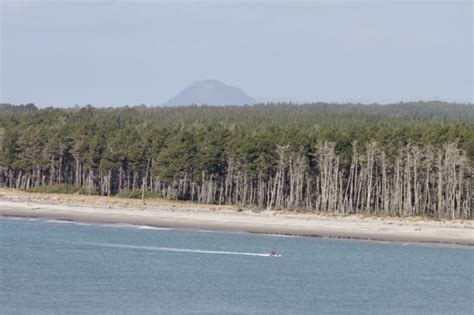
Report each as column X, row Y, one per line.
column 211, row 92
column 212, row 82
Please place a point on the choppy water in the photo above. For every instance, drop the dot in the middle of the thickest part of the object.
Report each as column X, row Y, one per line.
column 54, row 267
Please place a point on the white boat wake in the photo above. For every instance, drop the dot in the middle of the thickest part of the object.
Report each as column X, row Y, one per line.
column 181, row 250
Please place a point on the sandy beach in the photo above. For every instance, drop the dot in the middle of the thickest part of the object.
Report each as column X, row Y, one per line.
column 164, row 213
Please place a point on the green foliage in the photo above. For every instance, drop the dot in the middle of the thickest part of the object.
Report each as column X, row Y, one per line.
column 192, row 141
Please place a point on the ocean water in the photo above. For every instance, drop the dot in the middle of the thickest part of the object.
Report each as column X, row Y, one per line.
column 62, row 268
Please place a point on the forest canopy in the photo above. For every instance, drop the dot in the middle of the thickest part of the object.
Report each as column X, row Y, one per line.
column 402, row 159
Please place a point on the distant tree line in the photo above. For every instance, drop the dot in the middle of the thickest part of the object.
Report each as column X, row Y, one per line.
column 407, row 159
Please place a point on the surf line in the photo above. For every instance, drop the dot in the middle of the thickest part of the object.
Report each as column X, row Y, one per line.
column 179, row 250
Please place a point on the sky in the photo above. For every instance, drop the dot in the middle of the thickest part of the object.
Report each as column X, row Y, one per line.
column 114, row 53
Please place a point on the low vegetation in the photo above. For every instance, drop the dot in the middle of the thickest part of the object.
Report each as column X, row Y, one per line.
column 58, row 189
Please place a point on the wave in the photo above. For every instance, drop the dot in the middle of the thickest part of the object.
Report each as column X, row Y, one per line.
column 67, row 222
column 115, row 225
column 180, row 250
column 6, row 217
column 60, row 221
column 147, row 227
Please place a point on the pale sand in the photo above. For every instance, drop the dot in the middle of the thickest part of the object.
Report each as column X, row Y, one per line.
column 162, row 213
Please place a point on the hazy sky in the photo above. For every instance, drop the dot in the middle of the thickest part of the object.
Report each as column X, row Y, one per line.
column 62, row 53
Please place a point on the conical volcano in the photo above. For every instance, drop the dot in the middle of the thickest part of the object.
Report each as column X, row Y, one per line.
column 211, row 92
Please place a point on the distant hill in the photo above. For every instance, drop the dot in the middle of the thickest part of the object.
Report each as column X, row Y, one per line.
column 211, row 92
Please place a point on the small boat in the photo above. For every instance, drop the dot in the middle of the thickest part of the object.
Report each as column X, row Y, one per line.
column 274, row 253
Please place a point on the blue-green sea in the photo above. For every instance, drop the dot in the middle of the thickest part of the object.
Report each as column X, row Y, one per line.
column 55, row 267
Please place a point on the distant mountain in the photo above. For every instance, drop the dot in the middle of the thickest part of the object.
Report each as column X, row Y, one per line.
column 211, row 92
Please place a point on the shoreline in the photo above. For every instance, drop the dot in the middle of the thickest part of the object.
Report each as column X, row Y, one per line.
column 168, row 214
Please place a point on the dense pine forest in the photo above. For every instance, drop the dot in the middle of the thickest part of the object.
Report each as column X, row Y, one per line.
column 407, row 159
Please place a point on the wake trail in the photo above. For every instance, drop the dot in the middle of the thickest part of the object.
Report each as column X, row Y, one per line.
column 179, row 250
